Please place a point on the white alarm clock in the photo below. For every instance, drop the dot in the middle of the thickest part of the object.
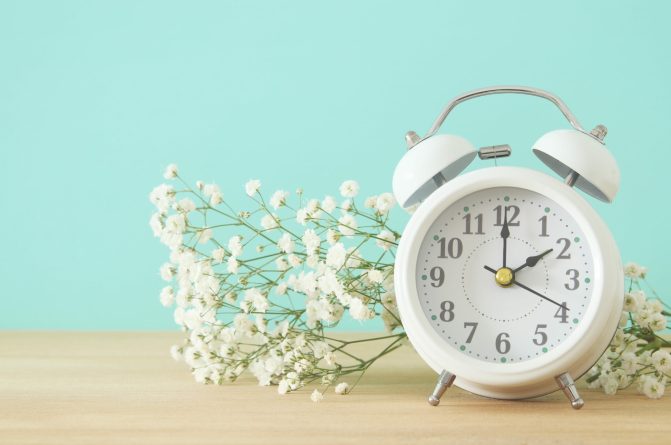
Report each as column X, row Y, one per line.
column 509, row 285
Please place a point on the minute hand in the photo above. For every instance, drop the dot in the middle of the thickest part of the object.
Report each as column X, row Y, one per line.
column 539, row 294
column 505, row 233
column 492, row 270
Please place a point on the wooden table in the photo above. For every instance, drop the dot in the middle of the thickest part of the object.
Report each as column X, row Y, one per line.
column 123, row 388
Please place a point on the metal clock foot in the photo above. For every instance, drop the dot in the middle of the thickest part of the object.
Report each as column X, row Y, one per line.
column 566, row 383
column 445, row 380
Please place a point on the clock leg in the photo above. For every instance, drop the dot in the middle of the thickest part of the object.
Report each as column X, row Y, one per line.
column 445, row 380
column 566, row 383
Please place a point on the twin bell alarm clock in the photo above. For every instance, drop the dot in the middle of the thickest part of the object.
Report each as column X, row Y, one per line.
column 509, row 285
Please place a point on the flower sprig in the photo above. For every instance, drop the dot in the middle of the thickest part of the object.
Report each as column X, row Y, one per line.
column 266, row 297
column 636, row 354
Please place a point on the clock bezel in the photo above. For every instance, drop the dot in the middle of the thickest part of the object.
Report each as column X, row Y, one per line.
column 532, row 377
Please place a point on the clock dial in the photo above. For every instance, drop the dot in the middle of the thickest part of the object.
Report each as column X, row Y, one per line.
column 504, row 275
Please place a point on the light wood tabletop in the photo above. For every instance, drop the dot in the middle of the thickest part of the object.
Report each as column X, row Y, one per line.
column 123, row 388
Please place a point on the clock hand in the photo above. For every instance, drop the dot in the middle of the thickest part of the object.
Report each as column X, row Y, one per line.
column 532, row 260
column 539, row 294
column 514, row 281
column 505, row 233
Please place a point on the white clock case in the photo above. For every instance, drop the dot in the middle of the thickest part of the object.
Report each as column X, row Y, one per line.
column 533, row 377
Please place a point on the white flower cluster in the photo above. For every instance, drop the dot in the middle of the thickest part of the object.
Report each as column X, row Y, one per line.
column 635, row 354
column 261, row 298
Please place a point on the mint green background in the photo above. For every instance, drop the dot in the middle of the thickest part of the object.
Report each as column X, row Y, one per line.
column 96, row 98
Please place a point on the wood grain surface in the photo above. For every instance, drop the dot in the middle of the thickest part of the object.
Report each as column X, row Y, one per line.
column 123, row 388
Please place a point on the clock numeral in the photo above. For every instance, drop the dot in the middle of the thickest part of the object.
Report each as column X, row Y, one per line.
column 437, row 275
column 544, row 226
column 447, row 310
column 512, row 211
column 450, row 249
column 573, row 283
column 563, row 255
column 562, row 313
column 473, row 327
column 543, row 336
column 478, row 221
column 502, row 343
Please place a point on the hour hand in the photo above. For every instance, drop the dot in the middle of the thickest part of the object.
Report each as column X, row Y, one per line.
column 532, row 260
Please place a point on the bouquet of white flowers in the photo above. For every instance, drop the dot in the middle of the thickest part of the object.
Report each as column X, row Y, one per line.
column 636, row 353
column 262, row 289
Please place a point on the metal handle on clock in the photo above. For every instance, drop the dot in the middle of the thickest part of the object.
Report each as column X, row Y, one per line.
column 530, row 91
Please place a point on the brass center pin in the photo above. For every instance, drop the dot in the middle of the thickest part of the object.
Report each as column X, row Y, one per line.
column 504, row 277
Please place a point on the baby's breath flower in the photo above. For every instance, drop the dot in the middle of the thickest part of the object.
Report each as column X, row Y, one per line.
column 204, row 235
column 252, row 186
column 235, row 245
column 328, row 204
column 302, row 216
column 167, row 296
column 332, row 236
column 375, row 276
column 162, row 197
column 232, row 265
column 336, row 256
column 216, row 198
column 385, row 239
column 311, row 241
column 218, row 255
column 311, row 261
column 661, row 360
column 652, row 386
column 294, row 260
column 281, row 289
column 349, row 189
column 254, row 300
column 634, row 271
column 316, row 396
column 176, row 353
column 283, row 387
column 330, row 358
column 384, row 203
column 269, row 221
column 156, row 224
column 342, row 388
column 167, row 271
column 281, row 264
column 630, row 304
column 285, row 243
column 359, row 310
column 210, row 189
column 347, row 225
column 170, row 171
column 185, row 206
column 370, row 202
column 279, row 199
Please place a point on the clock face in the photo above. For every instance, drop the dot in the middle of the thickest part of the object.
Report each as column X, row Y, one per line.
column 504, row 275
